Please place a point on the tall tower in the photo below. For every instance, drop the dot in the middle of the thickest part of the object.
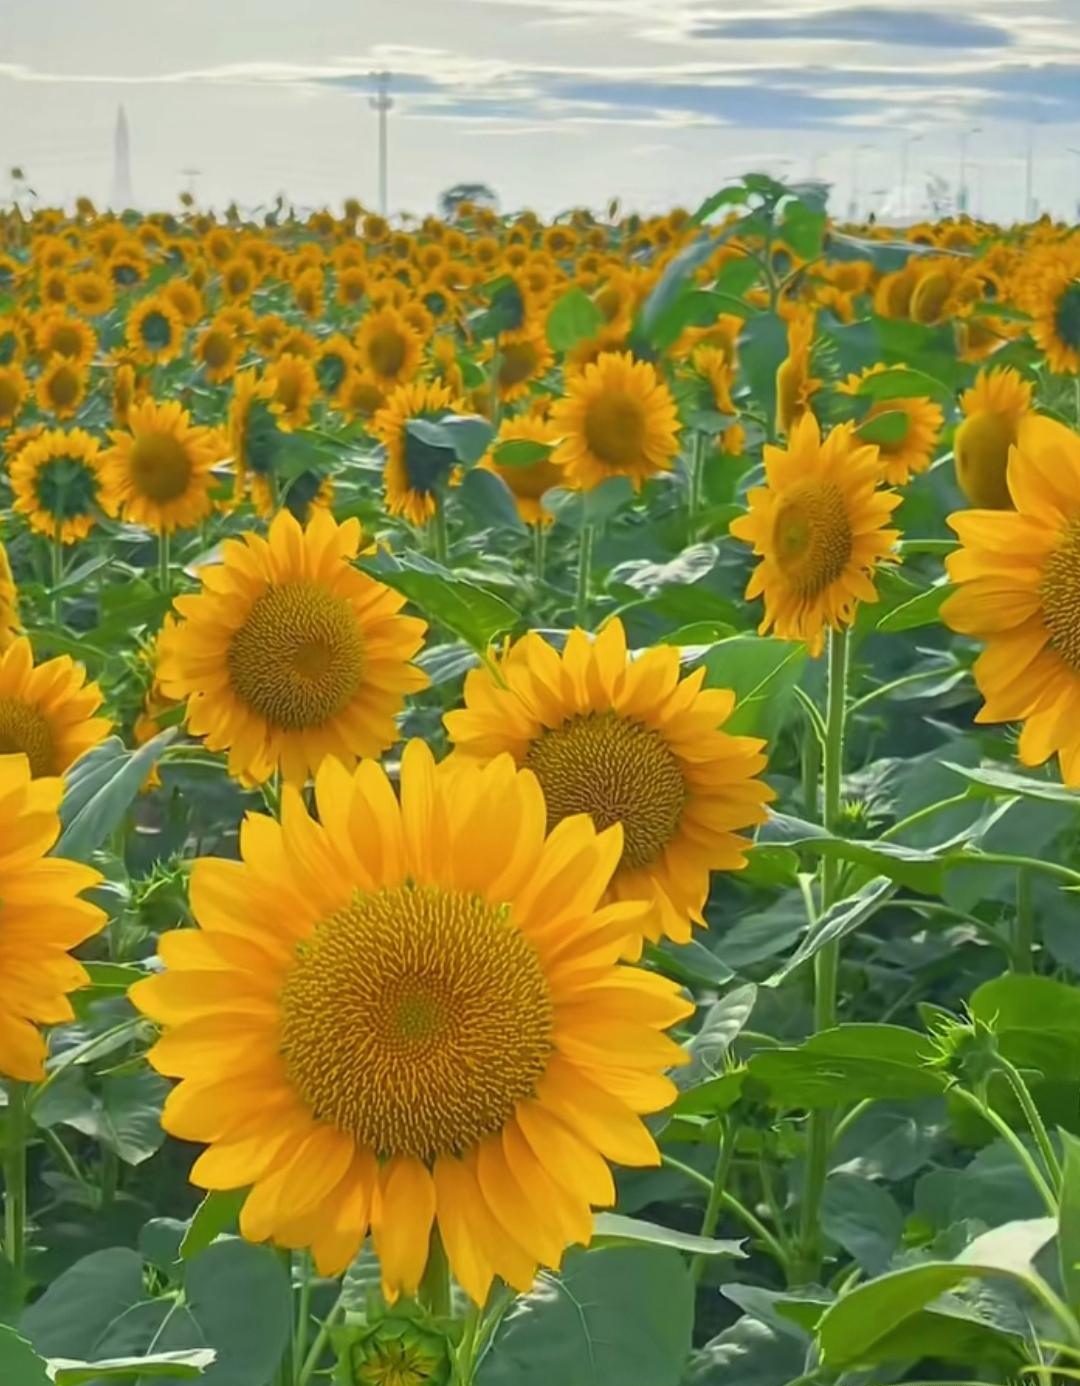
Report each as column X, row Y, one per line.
column 122, row 196
column 382, row 102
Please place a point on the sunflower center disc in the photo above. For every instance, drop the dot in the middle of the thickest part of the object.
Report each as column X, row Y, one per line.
column 65, row 487
column 24, row 731
column 516, row 363
column 812, row 536
column 156, row 331
column 1060, row 592
column 217, row 350
column 386, row 352
column 10, row 397
column 160, row 467
column 287, row 390
column 616, row 771
column 66, row 341
column 298, row 658
column 64, row 386
column 615, row 430
column 415, row 1019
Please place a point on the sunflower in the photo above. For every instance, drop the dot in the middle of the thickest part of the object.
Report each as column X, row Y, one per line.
column 10, row 625
column 268, row 332
column 239, row 279
column 186, row 299
column 360, row 395
column 41, row 918
column 818, row 525
column 1049, row 289
column 254, row 438
column 795, row 386
column 127, row 389
column 416, row 472
column 308, row 290
column 61, row 388
column 47, row 711
column 334, row 359
column 291, row 387
column 520, row 357
column 626, row 741
column 290, row 654
column 61, row 334
column 1019, row 592
column 715, row 369
column 351, row 286
column 617, row 419
column 993, row 409
column 56, row 483
column 388, row 347
column 155, row 330
column 91, row 293
column 157, row 472
column 218, row 349
column 527, row 481
column 295, row 341
column 922, row 421
column 53, row 289
column 428, row 1019
column 14, row 388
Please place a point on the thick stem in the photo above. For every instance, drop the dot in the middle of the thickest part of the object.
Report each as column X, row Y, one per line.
column 1005, row 1131
column 1024, row 932
column 435, row 1286
column 827, row 959
column 285, row 1376
column 539, row 545
column 164, row 567
column 15, row 1182
column 442, row 542
column 303, row 1316
column 1033, row 1117
column 585, row 550
column 322, row 1338
column 694, row 467
column 724, row 1157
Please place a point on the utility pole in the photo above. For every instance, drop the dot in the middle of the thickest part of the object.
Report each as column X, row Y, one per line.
column 856, row 194
column 382, row 102
column 905, row 150
column 962, row 187
column 122, row 197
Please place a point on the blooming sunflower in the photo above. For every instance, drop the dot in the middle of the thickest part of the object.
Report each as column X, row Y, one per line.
column 157, row 472
column 415, row 471
column 61, row 388
column 186, row 299
column 47, row 710
column 91, row 293
column 715, row 369
column 617, row 419
column 155, row 330
column 291, row 386
column 218, row 349
column 795, row 386
column 56, row 483
column 290, row 654
column 1019, row 592
column 127, row 388
column 335, row 358
column 1050, row 291
column 912, row 451
column 404, row 1016
column 10, row 625
column 41, row 918
column 527, row 481
column 14, row 388
column 520, row 357
column 625, row 741
column 360, row 396
column 388, row 347
column 818, row 525
column 61, row 334
column 993, row 409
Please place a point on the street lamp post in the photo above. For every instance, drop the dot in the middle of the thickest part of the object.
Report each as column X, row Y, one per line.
column 382, row 102
column 962, row 187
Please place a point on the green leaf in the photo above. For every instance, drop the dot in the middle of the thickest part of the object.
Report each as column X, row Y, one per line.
column 76, row 1309
column 101, row 787
column 863, row 1218
column 733, row 196
column 521, row 452
column 240, row 1297
column 1069, row 1219
column 917, row 868
column 749, row 1353
column 488, row 498
column 470, row 436
column 1036, row 1020
column 573, row 318
column 852, row 1331
column 580, row 508
column 859, row 1061
column 836, row 923
column 19, row 1363
column 218, row 1212
column 686, row 568
column 472, row 613
column 1000, row 782
column 762, row 673
column 803, row 229
column 885, row 429
column 719, row 1030
column 663, row 314
column 901, row 383
column 177, row 1366
column 126, row 1115
column 614, row 1228
column 921, row 610
column 613, row 1315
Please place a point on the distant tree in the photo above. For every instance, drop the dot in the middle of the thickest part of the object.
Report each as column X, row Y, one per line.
column 478, row 193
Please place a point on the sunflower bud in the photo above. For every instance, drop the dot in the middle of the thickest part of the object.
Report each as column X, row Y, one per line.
column 396, row 1350
column 966, row 1048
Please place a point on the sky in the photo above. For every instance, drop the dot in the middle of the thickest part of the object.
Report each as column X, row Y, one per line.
column 552, row 103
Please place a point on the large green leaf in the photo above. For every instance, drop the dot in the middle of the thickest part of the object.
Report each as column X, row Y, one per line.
column 1069, row 1221
column 613, row 1315
column 615, row 1228
column 839, row 920
column 863, row 1218
column 573, row 318
column 848, row 1063
column 471, row 612
column 175, row 1366
column 19, row 1363
column 1036, row 1020
column 762, row 673
column 78, row 1307
column 216, row 1214
column 101, row 787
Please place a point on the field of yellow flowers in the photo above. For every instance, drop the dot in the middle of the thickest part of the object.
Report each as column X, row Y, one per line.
column 539, row 816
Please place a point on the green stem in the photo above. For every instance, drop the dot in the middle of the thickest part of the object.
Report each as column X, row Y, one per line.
column 1033, row 1117
column 539, row 544
column 724, row 1156
column 729, row 1201
column 318, row 1347
column 827, row 959
column 164, row 568
column 694, row 466
column 303, row 1315
column 284, row 1375
column 583, row 574
column 435, row 1286
column 15, row 1181
column 1024, row 934
column 466, row 1352
column 56, row 573
column 442, row 543
column 921, row 815
column 110, row 1173
column 1005, row 1131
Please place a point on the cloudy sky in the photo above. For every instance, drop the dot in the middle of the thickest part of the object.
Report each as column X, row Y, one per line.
column 551, row 102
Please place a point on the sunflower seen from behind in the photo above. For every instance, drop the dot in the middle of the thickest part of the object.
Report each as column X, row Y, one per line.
column 628, row 741
column 290, row 386
column 47, row 711
column 617, row 418
column 527, row 481
column 290, row 654
column 411, row 1015
column 56, row 483
column 993, row 409
column 416, row 472
column 818, row 526
column 1018, row 576
column 155, row 330
column 157, row 473
column 41, row 917
column 909, row 426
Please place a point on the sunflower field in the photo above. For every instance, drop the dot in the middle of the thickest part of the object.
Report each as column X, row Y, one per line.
column 539, row 798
